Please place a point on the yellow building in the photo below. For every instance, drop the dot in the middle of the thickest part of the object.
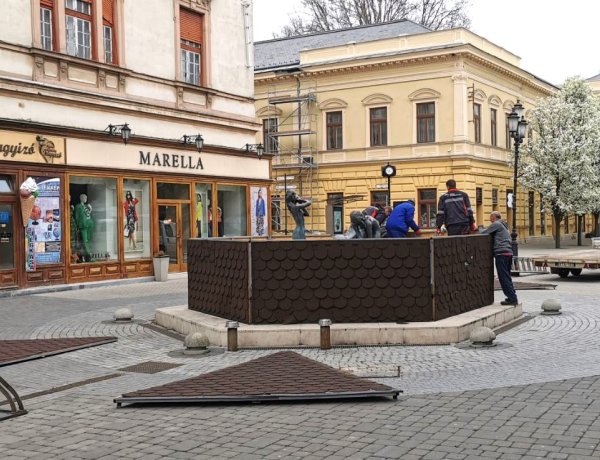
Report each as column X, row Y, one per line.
column 338, row 106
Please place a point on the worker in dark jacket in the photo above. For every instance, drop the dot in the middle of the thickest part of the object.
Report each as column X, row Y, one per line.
column 503, row 255
column 401, row 219
column 454, row 211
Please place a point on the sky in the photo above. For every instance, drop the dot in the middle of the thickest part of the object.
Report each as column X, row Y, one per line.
column 555, row 39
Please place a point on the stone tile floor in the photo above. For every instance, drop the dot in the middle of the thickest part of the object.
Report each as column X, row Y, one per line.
column 535, row 395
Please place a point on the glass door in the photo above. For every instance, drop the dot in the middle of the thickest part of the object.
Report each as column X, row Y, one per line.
column 174, row 233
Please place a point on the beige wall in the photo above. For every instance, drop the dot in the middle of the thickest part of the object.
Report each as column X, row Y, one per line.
column 15, row 22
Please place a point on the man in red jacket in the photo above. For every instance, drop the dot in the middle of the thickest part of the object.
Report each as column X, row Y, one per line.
column 454, row 211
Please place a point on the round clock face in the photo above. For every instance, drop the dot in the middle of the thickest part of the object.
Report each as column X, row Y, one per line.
column 389, row 170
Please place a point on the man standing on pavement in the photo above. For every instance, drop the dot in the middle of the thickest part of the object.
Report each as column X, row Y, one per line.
column 401, row 219
column 454, row 211
column 503, row 255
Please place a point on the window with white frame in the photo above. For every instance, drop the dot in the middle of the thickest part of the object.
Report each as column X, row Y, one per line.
column 79, row 28
column 108, row 44
column 46, row 32
column 191, row 40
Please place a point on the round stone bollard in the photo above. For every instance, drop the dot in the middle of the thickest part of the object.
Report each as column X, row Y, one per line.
column 195, row 344
column 123, row 315
column 482, row 337
column 551, row 307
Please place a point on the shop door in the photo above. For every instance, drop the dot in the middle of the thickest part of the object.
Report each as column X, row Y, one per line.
column 8, row 272
column 174, row 233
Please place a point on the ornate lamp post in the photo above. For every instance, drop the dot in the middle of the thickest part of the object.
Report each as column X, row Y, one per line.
column 517, row 127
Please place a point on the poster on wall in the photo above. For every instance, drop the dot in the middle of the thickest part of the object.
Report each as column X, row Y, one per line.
column 43, row 232
column 132, row 233
column 259, row 218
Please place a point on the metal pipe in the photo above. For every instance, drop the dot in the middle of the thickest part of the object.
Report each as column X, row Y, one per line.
column 325, row 333
column 232, row 335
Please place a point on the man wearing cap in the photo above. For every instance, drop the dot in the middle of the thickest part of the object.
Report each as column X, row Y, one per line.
column 401, row 219
column 454, row 211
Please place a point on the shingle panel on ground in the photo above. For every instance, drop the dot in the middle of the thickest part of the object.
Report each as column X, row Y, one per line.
column 15, row 351
column 280, row 376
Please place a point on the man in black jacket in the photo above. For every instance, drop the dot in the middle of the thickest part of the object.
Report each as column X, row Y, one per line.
column 454, row 211
column 503, row 255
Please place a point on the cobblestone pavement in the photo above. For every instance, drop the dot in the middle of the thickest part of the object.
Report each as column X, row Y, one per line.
column 535, row 395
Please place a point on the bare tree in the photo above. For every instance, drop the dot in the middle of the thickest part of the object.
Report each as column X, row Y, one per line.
column 324, row 15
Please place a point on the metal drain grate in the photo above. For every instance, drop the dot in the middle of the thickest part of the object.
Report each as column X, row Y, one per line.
column 149, row 367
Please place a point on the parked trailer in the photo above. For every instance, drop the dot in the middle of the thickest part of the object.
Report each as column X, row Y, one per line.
column 572, row 262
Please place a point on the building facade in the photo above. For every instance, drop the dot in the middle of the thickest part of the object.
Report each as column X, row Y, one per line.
column 337, row 107
column 132, row 122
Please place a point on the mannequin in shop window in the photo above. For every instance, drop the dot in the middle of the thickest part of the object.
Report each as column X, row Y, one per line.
column 85, row 225
column 199, row 212
column 261, row 212
column 131, row 217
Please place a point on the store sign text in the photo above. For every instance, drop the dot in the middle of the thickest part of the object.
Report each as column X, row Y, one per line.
column 170, row 160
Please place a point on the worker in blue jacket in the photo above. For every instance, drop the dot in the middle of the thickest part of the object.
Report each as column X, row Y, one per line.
column 401, row 219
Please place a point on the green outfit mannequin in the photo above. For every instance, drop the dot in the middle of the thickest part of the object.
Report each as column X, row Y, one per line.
column 85, row 224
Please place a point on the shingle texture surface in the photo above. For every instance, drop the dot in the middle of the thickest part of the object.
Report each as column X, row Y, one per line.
column 285, row 52
column 14, row 351
column 284, row 374
column 354, row 281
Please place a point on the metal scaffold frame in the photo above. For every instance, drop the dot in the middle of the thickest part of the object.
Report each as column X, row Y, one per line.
column 293, row 139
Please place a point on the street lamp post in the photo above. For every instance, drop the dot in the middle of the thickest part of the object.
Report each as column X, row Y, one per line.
column 517, row 127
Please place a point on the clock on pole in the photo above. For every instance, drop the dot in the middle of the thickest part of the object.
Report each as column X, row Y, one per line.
column 388, row 171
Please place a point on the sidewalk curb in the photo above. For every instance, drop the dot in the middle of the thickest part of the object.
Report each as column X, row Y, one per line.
column 88, row 285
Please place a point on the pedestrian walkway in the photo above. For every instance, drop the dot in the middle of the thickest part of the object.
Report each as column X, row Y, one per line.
column 534, row 395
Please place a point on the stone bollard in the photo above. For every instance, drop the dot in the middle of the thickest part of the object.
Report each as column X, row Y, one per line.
column 232, row 335
column 551, row 307
column 123, row 315
column 325, row 333
column 195, row 344
column 482, row 337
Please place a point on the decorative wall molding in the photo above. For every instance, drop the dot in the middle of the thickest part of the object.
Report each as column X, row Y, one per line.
column 424, row 93
column 377, row 99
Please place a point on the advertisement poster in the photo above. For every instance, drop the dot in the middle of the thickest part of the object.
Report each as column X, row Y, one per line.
column 259, row 218
column 43, row 233
column 132, row 233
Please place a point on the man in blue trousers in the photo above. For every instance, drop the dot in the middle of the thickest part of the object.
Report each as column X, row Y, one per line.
column 401, row 219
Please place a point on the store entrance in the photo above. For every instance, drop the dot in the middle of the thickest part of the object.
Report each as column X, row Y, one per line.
column 174, row 233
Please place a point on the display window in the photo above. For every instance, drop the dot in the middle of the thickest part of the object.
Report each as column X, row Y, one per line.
column 203, row 202
column 7, row 240
column 136, row 218
column 42, row 211
column 93, row 219
column 231, row 212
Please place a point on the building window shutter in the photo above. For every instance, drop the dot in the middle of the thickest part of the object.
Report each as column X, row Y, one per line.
column 108, row 13
column 190, row 26
column 47, row 3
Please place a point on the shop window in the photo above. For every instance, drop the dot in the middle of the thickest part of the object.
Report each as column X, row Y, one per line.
column 7, row 237
column 426, row 122
column 191, row 40
column 427, row 207
column 230, row 214
column 43, row 232
column 378, row 126
column 333, row 121
column 7, row 184
column 477, row 122
column 93, row 219
column 136, row 218
column 336, row 201
column 172, row 191
column 203, row 202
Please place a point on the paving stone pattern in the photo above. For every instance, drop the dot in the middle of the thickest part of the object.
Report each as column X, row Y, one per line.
column 13, row 351
column 534, row 396
column 280, row 375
